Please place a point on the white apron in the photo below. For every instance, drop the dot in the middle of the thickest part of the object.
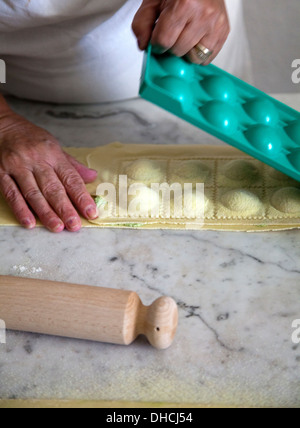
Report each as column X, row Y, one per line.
column 84, row 51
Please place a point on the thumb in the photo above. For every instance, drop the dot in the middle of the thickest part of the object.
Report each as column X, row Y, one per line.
column 88, row 175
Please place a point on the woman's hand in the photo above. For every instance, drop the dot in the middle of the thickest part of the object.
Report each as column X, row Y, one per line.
column 37, row 176
column 179, row 25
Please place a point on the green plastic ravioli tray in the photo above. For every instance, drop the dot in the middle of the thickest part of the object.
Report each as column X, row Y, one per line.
column 226, row 107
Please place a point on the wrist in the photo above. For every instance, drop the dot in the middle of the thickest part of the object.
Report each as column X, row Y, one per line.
column 9, row 119
column 4, row 107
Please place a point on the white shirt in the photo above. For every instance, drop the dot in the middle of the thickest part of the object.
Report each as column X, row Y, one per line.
column 84, row 51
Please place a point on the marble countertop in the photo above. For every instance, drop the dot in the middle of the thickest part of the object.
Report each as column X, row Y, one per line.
column 238, row 293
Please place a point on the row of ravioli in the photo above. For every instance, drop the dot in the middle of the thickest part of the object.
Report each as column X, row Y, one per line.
column 232, row 188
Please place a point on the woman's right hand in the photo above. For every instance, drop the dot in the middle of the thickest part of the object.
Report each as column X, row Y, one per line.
column 180, row 25
column 36, row 176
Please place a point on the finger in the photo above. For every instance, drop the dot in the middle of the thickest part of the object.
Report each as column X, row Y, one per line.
column 168, row 28
column 213, row 41
column 76, row 190
column 189, row 38
column 55, row 194
column 38, row 203
column 216, row 45
column 197, row 57
column 88, row 175
column 15, row 200
column 216, row 39
column 144, row 22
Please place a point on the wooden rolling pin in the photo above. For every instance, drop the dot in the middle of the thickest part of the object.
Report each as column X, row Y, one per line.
column 84, row 312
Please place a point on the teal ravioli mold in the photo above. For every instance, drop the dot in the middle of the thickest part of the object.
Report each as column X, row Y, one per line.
column 226, row 107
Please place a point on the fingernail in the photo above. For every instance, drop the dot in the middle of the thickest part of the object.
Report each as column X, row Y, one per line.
column 56, row 226
column 73, row 224
column 158, row 50
column 29, row 224
column 92, row 212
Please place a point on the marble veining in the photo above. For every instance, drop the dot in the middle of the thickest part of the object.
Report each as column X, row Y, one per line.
column 238, row 293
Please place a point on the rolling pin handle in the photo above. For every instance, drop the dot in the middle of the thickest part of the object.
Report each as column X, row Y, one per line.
column 158, row 322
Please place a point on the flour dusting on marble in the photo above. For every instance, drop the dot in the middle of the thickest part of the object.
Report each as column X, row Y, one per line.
column 28, row 270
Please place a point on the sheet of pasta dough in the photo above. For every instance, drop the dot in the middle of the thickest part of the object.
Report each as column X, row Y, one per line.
column 241, row 193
